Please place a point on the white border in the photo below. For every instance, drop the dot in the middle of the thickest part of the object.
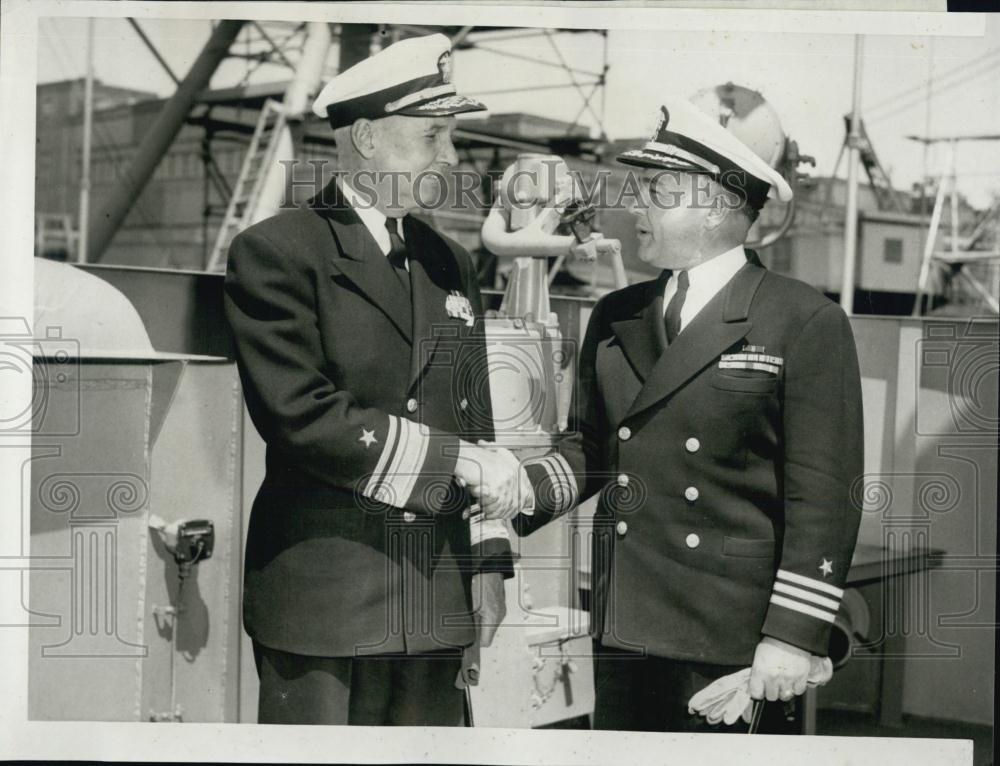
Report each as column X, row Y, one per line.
column 251, row 743
column 567, row 15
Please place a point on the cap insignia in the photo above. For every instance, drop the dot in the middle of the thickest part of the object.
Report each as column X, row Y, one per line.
column 662, row 122
column 445, row 66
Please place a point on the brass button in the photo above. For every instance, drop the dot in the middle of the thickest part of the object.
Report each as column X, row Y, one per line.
column 692, row 540
column 463, row 404
column 409, row 516
column 622, row 480
column 692, row 445
column 624, row 433
column 621, row 528
column 411, row 405
column 691, row 493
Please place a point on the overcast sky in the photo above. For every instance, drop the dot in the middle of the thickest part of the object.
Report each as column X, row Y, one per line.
column 806, row 77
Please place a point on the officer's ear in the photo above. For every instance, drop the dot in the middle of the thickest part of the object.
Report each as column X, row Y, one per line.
column 363, row 138
column 723, row 204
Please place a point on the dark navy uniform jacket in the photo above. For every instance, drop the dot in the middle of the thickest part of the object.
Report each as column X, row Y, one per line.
column 725, row 464
column 357, row 541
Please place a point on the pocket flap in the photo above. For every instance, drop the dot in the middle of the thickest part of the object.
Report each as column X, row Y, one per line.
column 738, row 546
column 758, row 384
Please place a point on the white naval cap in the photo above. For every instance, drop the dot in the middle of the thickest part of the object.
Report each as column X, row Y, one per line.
column 689, row 140
column 411, row 77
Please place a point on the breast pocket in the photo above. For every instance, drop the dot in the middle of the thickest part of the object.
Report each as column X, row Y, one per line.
column 749, row 561
column 737, row 410
column 756, row 384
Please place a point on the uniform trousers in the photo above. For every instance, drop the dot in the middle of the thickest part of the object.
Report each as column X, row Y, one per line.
column 636, row 692
column 397, row 690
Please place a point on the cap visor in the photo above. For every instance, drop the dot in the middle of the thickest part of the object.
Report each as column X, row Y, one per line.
column 780, row 189
column 643, row 158
column 443, row 106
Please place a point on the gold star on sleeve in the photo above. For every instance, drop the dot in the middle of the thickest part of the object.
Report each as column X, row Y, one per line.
column 368, row 437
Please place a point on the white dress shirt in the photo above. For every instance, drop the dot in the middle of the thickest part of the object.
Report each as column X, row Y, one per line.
column 371, row 217
column 704, row 282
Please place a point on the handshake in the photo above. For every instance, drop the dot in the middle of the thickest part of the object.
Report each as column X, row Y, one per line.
column 496, row 478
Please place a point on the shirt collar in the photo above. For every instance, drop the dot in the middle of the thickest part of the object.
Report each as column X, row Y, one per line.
column 371, row 216
column 714, row 273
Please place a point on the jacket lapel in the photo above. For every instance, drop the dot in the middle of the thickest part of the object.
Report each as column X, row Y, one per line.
column 432, row 275
column 362, row 261
column 643, row 337
column 721, row 323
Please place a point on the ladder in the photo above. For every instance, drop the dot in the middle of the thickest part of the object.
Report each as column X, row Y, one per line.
column 977, row 270
column 991, row 216
column 887, row 197
column 258, row 160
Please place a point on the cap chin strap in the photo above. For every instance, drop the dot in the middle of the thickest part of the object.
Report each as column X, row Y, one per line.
column 421, row 95
column 676, row 151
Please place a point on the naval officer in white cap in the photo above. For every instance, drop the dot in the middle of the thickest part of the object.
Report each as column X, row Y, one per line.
column 370, row 574
column 718, row 413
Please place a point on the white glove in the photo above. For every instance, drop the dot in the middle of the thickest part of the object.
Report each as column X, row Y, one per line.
column 728, row 698
column 725, row 699
column 820, row 671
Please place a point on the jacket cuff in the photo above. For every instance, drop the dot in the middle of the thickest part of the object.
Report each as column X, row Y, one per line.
column 554, row 489
column 491, row 551
column 414, row 469
column 802, row 611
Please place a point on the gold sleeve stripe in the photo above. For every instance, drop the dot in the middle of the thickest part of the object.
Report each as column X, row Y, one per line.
column 569, row 481
column 797, row 606
column 387, row 448
column 408, row 460
column 561, row 475
column 804, row 595
column 400, row 463
column 810, row 582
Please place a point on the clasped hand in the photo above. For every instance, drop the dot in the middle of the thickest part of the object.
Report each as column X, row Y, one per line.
column 780, row 670
column 495, row 477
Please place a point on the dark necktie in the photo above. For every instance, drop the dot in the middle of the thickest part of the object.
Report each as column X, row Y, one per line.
column 672, row 316
column 397, row 252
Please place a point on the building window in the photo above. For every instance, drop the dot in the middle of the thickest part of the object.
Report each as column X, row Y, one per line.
column 892, row 251
column 50, row 107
